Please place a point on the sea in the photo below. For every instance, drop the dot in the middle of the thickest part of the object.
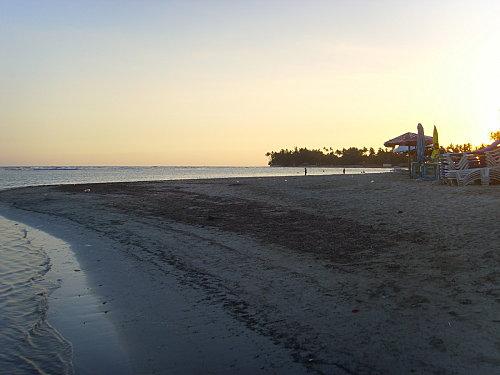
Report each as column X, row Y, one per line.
column 11, row 177
column 29, row 342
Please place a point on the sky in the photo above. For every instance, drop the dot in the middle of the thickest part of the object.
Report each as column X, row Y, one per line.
column 223, row 82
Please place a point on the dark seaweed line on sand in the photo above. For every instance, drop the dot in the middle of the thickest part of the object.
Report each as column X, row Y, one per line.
column 218, row 292
column 332, row 237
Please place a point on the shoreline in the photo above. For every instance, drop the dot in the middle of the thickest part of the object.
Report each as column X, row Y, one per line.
column 192, row 180
column 75, row 308
column 22, row 178
column 350, row 166
column 320, row 273
column 109, row 335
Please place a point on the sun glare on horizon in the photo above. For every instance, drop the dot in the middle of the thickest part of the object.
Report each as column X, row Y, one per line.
column 222, row 83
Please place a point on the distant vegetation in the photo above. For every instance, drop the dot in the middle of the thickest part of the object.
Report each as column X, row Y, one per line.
column 329, row 157
column 350, row 156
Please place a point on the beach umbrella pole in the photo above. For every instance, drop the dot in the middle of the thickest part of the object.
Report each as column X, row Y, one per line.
column 409, row 161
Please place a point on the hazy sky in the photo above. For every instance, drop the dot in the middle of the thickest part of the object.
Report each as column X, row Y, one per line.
column 222, row 82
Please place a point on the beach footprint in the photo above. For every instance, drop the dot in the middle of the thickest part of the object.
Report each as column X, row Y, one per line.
column 437, row 343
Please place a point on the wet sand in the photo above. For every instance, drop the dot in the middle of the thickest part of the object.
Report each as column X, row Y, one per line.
column 67, row 331
column 28, row 342
column 328, row 274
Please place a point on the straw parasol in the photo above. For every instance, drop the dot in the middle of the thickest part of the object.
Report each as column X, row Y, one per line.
column 407, row 139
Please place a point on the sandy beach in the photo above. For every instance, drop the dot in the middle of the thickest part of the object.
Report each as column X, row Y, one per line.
column 365, row 274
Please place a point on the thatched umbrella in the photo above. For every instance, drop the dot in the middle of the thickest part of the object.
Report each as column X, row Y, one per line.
column 407, row 139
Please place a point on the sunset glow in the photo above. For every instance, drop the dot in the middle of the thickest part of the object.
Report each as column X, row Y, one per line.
column 223, row 82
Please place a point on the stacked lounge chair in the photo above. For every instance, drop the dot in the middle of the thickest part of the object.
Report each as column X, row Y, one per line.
column 460, row 169
column 493, row 163
column 468, row 168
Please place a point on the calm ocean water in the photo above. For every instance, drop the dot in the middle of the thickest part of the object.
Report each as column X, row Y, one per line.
column 29, row 344
column 29, row 176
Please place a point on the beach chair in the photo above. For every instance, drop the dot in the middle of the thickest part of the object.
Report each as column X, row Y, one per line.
column 494, row 175
column 493, row 164
column 493, row 157
column 450, row 165
column 456, row 161
column 470, row 176
column 465, row 169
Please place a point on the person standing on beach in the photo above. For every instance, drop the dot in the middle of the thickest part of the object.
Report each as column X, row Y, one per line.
column 343, row 171
column 305, row 171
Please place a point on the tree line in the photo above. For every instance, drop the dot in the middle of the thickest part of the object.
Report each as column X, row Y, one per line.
column 329, row 157
column 348, row 156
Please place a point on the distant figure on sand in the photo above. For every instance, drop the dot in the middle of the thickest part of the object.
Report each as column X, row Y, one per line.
column 305, row 171
column 343, row 171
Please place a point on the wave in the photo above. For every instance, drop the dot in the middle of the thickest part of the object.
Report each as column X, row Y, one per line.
column 30, row 345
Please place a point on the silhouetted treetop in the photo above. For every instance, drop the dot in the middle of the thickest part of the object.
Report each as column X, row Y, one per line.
column 350, row 156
